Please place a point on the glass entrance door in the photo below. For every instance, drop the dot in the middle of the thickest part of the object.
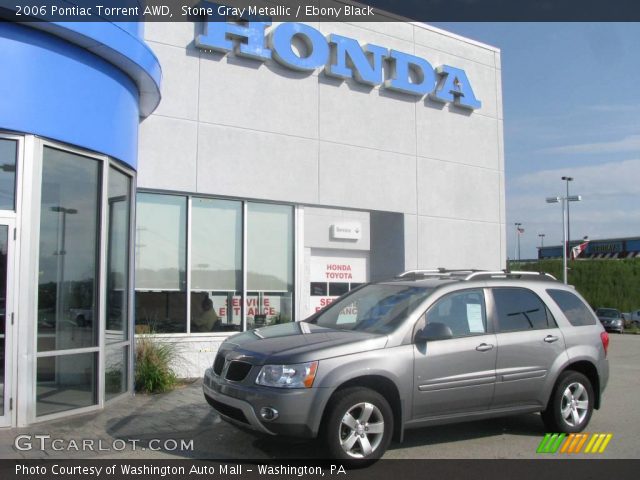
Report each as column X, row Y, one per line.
column 6, row 321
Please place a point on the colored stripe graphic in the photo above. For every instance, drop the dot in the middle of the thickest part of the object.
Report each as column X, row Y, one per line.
column 574, row 442
column 550, row 443
column 598, row 443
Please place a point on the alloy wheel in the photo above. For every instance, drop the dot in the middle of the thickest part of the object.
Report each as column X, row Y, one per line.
column 361, row 430
column 575, row 404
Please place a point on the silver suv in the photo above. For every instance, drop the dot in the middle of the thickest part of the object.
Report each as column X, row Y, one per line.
column 427, row 348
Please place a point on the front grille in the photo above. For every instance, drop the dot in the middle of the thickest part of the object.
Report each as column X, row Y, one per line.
column 218, row 364
column 238, row 371
column 228, row 410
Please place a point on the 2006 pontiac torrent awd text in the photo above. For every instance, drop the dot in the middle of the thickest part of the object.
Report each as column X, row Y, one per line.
column 426, row 348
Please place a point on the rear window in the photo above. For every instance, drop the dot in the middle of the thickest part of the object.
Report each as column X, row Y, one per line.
column 576, row 311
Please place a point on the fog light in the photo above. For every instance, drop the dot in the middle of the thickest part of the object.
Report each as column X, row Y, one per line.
column 268, row 414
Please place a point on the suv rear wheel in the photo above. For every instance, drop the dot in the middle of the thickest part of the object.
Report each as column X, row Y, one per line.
column 359, row 425
column 571, row 404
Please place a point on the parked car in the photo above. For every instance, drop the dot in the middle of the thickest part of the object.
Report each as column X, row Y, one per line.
column 426, row 348
column 611, row 319
column 635, row 317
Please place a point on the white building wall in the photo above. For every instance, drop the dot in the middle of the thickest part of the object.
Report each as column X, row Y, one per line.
column 236, row 127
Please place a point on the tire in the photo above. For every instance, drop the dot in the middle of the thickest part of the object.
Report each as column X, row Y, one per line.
column 571, row 388
column 353, row 439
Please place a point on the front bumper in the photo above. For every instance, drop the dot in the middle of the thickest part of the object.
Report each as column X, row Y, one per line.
column 239, row 403
column 612, row 327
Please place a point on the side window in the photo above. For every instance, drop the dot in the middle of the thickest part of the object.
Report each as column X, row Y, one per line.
column 520, row 309
column 573, row 308
column 463, row 312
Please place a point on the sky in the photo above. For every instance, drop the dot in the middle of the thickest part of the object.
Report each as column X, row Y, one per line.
column 571, row 102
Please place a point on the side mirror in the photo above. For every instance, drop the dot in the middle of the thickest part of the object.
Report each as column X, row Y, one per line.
column 433, row 331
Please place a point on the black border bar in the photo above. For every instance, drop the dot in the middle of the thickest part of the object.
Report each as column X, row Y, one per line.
column 325, row 10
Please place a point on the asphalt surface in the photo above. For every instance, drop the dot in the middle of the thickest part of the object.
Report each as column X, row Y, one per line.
column 184, row 415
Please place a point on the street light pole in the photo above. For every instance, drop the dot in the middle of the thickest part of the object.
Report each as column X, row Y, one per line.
column 565, row 203
column 541, row 235
column 568, row 244
column 61, row 253
column 517, row 224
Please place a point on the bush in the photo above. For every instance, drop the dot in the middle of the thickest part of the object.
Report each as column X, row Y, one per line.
column 153, row 371
column 603, row 283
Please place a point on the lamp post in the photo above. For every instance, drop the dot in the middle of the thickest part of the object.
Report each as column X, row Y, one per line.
column 568, row 245
column 61, row 253
column 565, row 202
column 518, row 225
column 541, row 235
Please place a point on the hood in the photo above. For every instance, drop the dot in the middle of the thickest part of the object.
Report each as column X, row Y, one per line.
column 298, row 342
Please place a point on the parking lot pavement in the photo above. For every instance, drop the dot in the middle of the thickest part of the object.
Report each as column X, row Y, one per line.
column 163, row 421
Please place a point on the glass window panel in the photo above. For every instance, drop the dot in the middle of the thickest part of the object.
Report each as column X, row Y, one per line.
column 216, row 245
column 463, row 312
column 269, row 264
column 68, row 269
column 119, row 204
column 66, row 382
column 270, row 247
column 574, row 309
column 519, row 309
column 8, row 154
column 161, row 242
column 116, row 362
column 337, row 288
column 161, row 237
column 318, row 289
column 161, row 312
column 215, row 311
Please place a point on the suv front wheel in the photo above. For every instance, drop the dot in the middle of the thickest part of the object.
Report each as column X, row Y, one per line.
column 359, row 425
column 571, row 404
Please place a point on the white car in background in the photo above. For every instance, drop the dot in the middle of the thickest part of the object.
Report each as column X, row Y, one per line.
column 635, row 317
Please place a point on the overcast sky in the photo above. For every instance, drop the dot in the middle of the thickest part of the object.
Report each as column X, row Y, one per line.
column 571, row 100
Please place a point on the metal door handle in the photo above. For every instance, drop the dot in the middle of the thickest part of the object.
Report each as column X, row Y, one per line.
column 483, row 347
column 550, row 338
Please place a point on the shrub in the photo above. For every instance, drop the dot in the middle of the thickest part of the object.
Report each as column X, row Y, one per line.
column 603, row 283
column 153, row 366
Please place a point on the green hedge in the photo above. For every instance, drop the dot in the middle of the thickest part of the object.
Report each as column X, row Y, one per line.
column 603, row 283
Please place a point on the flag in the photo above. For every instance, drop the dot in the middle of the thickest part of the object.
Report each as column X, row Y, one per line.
column 520, row 230
column 578, row 249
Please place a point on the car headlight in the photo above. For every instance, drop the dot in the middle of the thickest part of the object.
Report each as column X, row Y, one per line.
column 300, row 375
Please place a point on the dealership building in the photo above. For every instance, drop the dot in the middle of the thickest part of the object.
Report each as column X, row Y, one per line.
column 187, row 181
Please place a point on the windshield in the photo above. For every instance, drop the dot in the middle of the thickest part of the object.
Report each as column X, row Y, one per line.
column 608, row 313
column 373, row 308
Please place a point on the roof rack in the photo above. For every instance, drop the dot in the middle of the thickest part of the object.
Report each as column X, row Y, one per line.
column 439, row 272
column 472, row 274
column 510, row 274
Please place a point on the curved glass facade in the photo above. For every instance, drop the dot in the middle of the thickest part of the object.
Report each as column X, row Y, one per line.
column 69, row 122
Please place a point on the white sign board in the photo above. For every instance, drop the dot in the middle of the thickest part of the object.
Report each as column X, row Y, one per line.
column 336, row 267
column 339, row 269
column 346, row 231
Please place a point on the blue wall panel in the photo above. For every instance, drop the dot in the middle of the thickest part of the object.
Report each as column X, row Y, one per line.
column 56, row 89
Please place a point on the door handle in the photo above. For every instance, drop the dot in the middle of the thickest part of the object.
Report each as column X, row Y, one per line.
column 550, row 338
column 483, row 347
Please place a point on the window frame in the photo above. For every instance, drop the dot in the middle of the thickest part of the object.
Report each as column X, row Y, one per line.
column 244, row 291
column 551, row 320
column 34, row 150
column 583, row 302
column 422, row 320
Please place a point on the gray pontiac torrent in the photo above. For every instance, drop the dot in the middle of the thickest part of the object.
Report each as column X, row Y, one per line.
column 426, row 348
